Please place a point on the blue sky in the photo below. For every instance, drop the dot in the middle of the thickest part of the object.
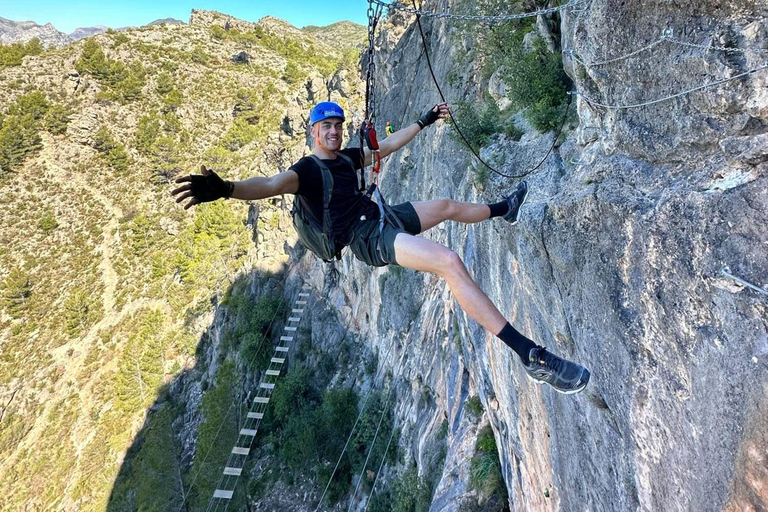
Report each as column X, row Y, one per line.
column 66, row 16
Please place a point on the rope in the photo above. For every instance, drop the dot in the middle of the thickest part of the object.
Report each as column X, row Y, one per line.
column 378, row 472
column 349, row 438
column 745, row 283
column 617, row 59
column 477, row 17
column 456, row 124
column 666, row 36
column 716, row 48
column 673, row 96
column 370, row 449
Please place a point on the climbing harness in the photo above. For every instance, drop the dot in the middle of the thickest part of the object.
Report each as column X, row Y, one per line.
column 367, row 132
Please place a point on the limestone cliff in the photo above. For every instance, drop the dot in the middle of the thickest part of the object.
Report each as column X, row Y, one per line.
column 616, row 264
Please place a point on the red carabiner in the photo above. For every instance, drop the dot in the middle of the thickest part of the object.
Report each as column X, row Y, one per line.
column 369, row 133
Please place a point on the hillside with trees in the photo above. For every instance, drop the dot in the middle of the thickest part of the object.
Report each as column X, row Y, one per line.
column 106, row 283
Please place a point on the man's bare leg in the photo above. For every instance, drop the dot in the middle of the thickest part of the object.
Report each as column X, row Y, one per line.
column 541, row 365
column 432, row 213
column 420, row 254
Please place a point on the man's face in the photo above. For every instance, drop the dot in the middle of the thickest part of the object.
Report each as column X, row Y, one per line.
column 329, row 131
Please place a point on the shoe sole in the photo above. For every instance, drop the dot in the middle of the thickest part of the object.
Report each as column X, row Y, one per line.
column 520, row 208
column 572, row 392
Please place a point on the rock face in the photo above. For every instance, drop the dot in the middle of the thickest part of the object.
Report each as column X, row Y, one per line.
column 209, row 18
column 23, row 31
column 83, row 32
column 616, row 264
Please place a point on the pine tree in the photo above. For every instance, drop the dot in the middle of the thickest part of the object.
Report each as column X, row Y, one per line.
column 17, row 289
column 18, row 137
column 93, row 61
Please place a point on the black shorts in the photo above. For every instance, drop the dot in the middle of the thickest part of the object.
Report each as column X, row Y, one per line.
column 366, row 236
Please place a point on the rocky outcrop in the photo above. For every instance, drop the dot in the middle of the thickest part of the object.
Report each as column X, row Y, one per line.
column 23, row 31
column 83, row 32
column 204, row 18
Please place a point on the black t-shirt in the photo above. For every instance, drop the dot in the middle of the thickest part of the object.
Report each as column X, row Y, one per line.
column 347, row 205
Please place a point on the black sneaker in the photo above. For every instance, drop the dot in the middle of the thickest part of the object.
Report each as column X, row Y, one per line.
column 516, row 201
column 566, row 377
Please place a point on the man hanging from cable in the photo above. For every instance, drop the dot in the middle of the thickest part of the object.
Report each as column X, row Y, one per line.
column 331, row 211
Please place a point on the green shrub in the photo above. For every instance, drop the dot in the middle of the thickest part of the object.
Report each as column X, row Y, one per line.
column 478, row 122
column 218, row 32
column 246, row 105
column 536, row 82
column 198, row 55
column 172, row 101
column 119, row 38
column 164, row 84
column 93, row 60
column 292, row 73
column 19, row 137
column 80, row 311
column 485, row 468
column 33, row 104
column 118, row 158
column 103, row 140
column 166, row 159
column 410, row 493
column 512, row 131
column 13, row 54
column 124, row 83
column 171, row 122
column 48, row 223
column 238, row 135
column 147, row 132
column 56, row 119
column 475, row 406
column 17, row 290
column 111, row 151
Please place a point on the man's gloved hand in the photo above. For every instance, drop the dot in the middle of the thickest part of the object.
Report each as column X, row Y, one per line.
column 432, row 114
column 203, row 188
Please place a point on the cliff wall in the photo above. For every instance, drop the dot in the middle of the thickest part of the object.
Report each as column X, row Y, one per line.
column 617, row 263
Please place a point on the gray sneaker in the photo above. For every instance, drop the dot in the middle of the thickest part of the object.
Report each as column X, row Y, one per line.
column 564, row 376
column 516, row 201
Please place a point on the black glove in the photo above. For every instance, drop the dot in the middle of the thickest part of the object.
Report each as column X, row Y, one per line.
column 207, row 188
column 428, row 116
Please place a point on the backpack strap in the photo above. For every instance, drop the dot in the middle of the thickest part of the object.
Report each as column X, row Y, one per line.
column 360, row 175
column 327, row 192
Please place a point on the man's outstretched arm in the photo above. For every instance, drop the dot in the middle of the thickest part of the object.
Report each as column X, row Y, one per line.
column 402, row 137
column 208, row 186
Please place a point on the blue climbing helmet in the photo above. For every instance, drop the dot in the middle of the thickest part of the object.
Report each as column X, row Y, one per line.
column 324, row 110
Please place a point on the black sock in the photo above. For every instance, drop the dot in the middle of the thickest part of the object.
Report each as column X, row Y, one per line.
column 499, row 209
column 516, row 342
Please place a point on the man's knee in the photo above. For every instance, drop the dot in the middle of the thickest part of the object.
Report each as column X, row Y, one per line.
column 450, row 263
column 448, row 207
